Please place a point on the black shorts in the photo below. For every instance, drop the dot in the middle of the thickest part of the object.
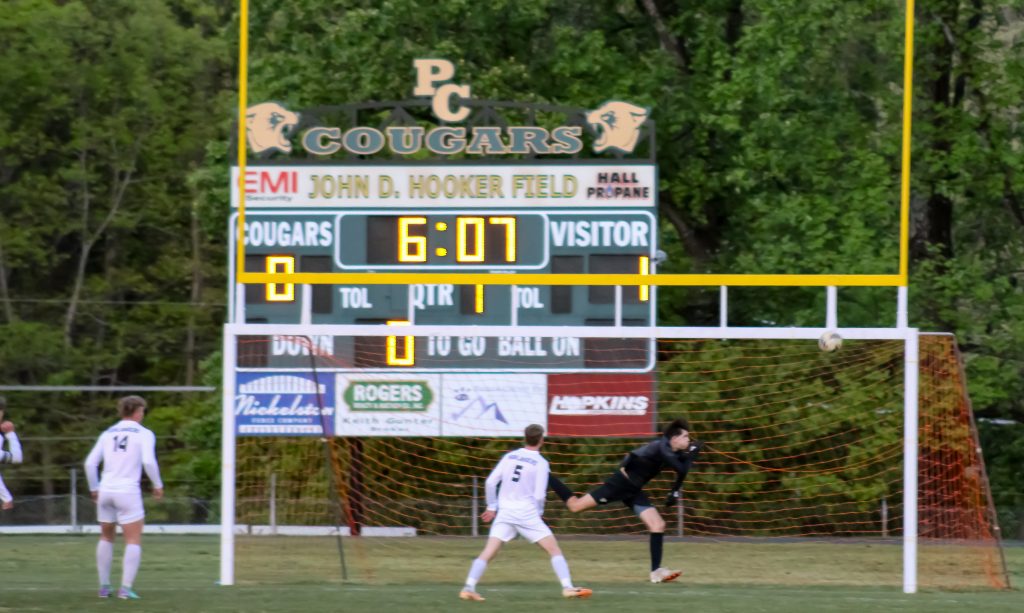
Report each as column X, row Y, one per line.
column 618, row 487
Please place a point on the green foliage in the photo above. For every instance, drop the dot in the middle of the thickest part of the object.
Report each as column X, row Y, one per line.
column 778, row 123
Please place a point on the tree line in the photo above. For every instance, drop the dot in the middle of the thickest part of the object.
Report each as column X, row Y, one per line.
column 778, row 130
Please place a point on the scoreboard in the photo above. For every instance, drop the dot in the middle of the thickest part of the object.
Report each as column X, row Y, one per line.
column 498, row 219
column 463, row 190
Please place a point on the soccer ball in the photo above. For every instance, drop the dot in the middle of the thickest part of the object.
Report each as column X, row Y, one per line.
column 830, row 341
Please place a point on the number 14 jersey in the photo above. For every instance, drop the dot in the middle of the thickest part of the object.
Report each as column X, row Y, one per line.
column 124, row 449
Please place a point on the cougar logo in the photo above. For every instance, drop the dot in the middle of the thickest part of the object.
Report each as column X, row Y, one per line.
column 618, row 125
column 267, row 126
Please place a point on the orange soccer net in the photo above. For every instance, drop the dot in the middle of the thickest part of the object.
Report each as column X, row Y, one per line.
column 804, row 448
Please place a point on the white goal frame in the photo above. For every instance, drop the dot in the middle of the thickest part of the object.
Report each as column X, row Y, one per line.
column 902, row 332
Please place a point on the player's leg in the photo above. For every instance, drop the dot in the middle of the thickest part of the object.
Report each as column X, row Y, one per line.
column 561, row 567
column 105, row 556
column 615, row 487
column 132, row 558
column 106, row 514
column 561, row 489
column 656, row 526
column 131, row 516
column 501, row 533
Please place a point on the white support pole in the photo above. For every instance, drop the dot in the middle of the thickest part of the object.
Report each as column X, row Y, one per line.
column 514, row 294
column 227, row 456
column 723, row 306
column 306, row 315
column 910, row 426
column 239, row 314
column 831, row 310
column 618, row 306
column 901, row 307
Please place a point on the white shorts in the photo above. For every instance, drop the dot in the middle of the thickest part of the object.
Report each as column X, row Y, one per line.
column 119, row 508
column 506, row 527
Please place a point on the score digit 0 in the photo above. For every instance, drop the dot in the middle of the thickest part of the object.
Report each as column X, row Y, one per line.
column 281, row 292
column 408, row 350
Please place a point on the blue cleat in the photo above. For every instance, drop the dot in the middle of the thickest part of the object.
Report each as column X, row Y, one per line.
column 105, row 591
column 126, row 593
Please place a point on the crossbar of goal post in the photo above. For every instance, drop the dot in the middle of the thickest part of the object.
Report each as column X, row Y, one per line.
column 910, row 397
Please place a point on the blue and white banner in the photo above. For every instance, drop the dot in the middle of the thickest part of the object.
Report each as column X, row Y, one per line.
column 284, row 404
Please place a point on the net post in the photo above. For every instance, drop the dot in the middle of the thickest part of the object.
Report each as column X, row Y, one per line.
column 74, row 499
column 679, row 514
column 475, row 508
column 227, row 455
column 885, row 518
column 910, row 451
column 273, row 503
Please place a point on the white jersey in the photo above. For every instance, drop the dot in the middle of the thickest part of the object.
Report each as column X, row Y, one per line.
column 124, row 449
column 11, row 456
column 523, row 475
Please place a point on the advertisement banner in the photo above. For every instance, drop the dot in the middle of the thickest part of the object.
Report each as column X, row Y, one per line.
column 493, row 405
column 283, row 403
column 601, row 405
column 399, row 404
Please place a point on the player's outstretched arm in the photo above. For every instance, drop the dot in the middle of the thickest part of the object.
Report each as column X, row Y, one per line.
column 682, row 468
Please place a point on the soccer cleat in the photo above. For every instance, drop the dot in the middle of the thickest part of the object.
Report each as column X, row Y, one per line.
column 127, row 593
column 577, row 592
column 664, row 575
column 105, row 591
column 471, row 595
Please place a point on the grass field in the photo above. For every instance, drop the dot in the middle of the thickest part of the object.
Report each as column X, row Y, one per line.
column 56, row 573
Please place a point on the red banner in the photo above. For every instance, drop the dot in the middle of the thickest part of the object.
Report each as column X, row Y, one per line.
column 601, row 405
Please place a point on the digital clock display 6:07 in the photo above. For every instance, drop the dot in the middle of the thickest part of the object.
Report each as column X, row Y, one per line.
column 444, row 240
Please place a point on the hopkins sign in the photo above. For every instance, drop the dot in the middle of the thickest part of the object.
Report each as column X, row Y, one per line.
column 617, row 126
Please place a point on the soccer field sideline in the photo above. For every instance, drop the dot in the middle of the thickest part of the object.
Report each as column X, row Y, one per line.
column 56, row 573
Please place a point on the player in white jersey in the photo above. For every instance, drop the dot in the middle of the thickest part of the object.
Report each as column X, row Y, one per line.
column 125, row 449
column 11, row 456
column 517, row 509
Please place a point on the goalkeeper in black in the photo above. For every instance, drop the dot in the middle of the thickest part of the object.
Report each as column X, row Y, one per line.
column 673, row 449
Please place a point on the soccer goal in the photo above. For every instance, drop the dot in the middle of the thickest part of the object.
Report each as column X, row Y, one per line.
column 341, row 460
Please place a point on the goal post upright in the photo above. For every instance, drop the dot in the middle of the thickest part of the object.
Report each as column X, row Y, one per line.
column 228, row 463
column 911, row 376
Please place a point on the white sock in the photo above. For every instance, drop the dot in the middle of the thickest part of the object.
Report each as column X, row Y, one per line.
column 475, row 572
column 562, row 570
column 104, row 557
column 132, row 556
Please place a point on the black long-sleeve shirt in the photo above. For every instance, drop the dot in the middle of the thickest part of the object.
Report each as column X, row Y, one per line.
column 643, row 464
